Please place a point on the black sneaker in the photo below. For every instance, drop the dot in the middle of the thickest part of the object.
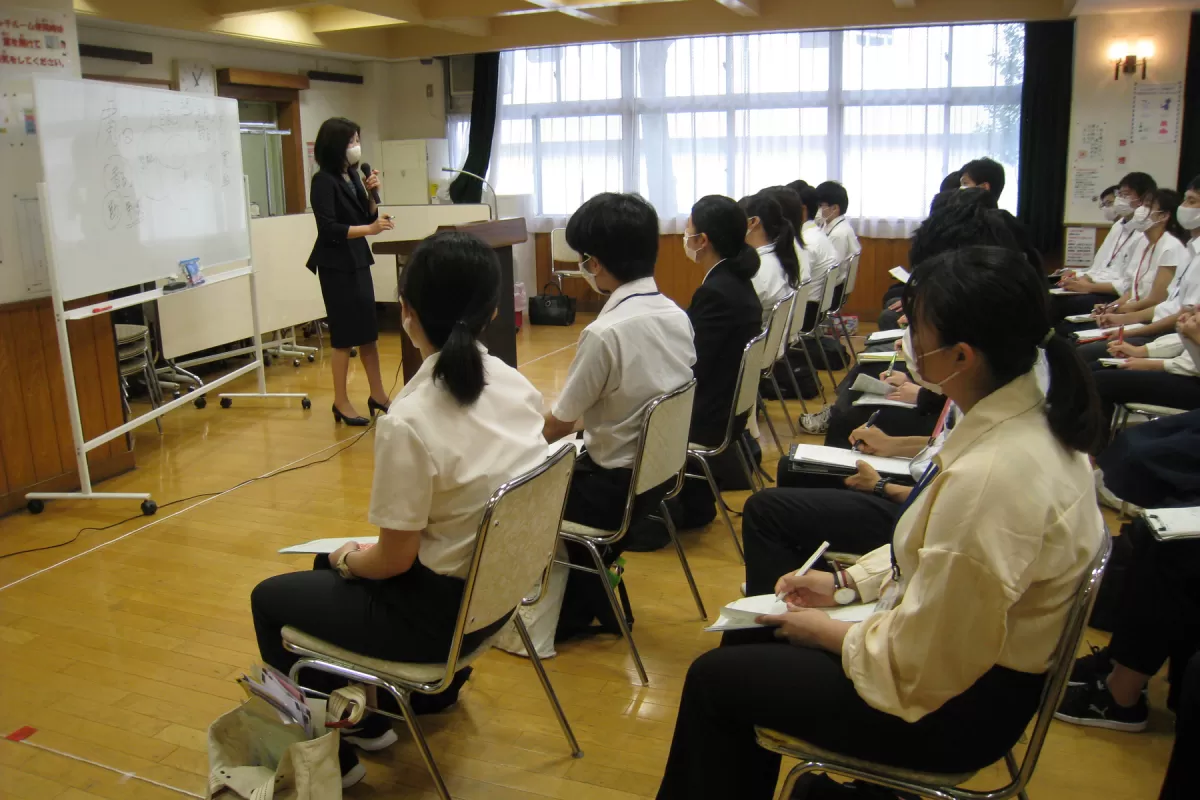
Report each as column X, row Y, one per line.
column 352, row 771
column 373, row 733
column 1092, row 667
column 1091, row 704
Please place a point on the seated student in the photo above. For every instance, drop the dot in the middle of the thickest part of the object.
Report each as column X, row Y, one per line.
column 1095, row 285
column 725, row 315
column 985, row 174
column 1156, row 463
column 1184, row 289
column 781, row 527
column 795, row 213
column 638, row 348
column 833, row 203
column 1159, row 256
column 773, row 237
column 1162, row 372
column 823, row 254
column 466, row 423
column 948, row 678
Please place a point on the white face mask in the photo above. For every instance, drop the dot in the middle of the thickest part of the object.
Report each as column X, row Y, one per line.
column 914, row 371
column 353, row 153
column 590, row 276
column 1110, row 213
column 691, row 254
column 1188, row 217
column 1122, row 207
column 1142, row 220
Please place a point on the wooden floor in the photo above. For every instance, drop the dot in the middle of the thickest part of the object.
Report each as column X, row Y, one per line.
column 121, row 656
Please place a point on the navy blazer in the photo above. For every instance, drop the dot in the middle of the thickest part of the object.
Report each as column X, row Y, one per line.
column 338, row 204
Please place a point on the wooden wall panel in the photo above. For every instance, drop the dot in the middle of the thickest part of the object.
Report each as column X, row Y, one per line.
column 678, row 278
column 36, row 449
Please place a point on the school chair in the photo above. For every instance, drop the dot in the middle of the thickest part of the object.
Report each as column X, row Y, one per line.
column 661, row 455
column 776, row 328
column 800, row 327
column 135, row 358
column 840, row 298
column 744, row 395
column 834, row 279
column 515, row 546
column 1123, row 411
column 945, row 786
column 562, row 253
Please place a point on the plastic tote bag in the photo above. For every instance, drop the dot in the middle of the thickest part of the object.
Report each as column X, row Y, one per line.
column 253, row 755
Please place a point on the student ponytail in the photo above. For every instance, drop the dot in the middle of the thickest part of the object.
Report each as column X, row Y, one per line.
column 788, row 198
column 724, row 223
column 992, row 299
column 452, row 285
column 778, row 229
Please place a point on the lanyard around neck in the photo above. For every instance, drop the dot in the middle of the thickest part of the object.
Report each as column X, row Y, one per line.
column 926, row 479
column 1137, row 277
column 631, row 296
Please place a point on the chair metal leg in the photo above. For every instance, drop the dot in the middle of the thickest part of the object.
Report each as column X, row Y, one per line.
column 618, row 612
column 148, row 377
column 770, row 425
column 683, row 562
column 712, row 485
column 546, row 687
column 762, row 476
column 783, row 403
column 841, row 324
column 414, row 729
column 825, row 357
column 796, row 383
column 744, row 459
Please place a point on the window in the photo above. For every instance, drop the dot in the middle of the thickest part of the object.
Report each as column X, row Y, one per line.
column 887, row 112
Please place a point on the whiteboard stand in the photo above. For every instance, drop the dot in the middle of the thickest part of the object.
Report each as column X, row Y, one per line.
column 35, row 501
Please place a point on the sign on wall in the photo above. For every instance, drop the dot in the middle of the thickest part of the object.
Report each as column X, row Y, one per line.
column 1156, row 112
column 34, row 40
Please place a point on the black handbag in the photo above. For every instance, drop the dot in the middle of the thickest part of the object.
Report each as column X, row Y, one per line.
column 552, row 309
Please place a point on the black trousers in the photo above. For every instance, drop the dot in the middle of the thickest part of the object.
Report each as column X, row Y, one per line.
column 1156, row 388
column 753, row 679
column 782, row 527
column 1183, row 771
column 844, row 416
column 1156, row 464
column 410, row 617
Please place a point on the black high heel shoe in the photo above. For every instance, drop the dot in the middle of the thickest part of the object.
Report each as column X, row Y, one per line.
column 353, row 421
column 372, row 407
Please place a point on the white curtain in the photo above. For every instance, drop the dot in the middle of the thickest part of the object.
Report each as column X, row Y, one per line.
column 886, row 112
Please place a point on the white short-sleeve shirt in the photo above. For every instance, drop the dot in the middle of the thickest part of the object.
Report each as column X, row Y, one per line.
column 1113, row 256
column 639, row 347
column 770, row 282
column 1145, row 261
column 824, row 256
column 1185, row 287
column 842, row 237
column 438, row 462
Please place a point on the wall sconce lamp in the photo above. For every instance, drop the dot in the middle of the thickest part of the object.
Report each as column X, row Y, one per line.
column 1126, row 59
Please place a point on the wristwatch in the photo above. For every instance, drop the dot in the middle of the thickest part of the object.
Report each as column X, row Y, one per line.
column 342, row 568
column 881, row 488
column 843, row 595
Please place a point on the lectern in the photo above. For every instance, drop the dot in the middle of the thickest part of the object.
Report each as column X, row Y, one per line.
column 500, row 337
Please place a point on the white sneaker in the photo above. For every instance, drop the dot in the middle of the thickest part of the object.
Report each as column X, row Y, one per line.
column 353, row 775
column 815, row 424
column 743, row 590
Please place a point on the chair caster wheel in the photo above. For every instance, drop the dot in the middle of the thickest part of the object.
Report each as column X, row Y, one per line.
column 266, row 360
column 175, row 395
column 311, row 358
column 305, row 403
column 35, row 506
column 226, row 402
column 354, row 352
column 200, row 402
column 295, row 362
column 149, row 507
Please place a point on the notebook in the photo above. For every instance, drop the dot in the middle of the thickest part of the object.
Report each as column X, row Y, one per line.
column 900, row 274
column 879, row 337
column 1111, row 362
column 1104, row 333
column 838, row 461
column 740, row 614
column 878, row 400
column 865, row 383
column 328, row 545
column 1078, row 318
column 1173, row 523
column 880, row 357
column 1056, row 290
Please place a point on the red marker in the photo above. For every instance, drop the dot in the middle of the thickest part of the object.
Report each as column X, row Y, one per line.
column 1121, row 335
column 101, row 309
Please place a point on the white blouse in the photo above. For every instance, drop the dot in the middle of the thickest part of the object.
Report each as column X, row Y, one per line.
column 770, row 282
column 1145, row 261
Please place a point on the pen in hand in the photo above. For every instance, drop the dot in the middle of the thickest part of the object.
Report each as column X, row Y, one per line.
column 856, row 447
column 800, row 573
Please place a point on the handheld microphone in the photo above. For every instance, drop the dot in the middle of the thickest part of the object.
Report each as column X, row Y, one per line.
column 366, row 171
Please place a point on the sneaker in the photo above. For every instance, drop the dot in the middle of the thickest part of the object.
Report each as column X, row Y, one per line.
column 372, row 734
column 815, row 423
column 743, row 590
column 1091, row 704
column 1091, row 668
column 352, row 770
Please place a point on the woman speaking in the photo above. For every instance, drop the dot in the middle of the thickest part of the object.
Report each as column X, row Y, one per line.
column 346, row 214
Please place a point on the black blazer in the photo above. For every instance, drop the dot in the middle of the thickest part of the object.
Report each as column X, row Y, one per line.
column 725, row 314
column 337, row 204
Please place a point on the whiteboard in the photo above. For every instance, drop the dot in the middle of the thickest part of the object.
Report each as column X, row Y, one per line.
column 288, row 294
column 138, row 180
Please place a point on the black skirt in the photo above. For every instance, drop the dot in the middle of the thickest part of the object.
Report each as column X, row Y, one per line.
column 349, row 306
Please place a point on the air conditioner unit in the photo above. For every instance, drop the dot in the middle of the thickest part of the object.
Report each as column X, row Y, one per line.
column 461, row 75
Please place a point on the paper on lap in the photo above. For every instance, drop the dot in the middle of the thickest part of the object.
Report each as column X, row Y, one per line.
column 865, row 383
column 876, row 400
column 329, row 545
column 839, row 457
column 878, row 337
column 740, row 614
column 900, row 274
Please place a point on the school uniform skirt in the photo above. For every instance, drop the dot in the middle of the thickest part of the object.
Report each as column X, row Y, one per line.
column 349, row 306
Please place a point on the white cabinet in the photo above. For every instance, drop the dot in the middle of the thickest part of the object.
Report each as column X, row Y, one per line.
column 412, row 170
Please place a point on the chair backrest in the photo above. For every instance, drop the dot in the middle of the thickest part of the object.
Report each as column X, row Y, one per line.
column 852, row 277
column 804, row 294
column 560, row 250
column 834, row 280
column 777, row 327
column 1063, row 662
column 515, row 543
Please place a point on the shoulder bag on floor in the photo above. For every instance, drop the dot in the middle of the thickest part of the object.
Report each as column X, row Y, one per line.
column 551, row 309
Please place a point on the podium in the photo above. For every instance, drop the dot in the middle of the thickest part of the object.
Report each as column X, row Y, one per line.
column 500, row 337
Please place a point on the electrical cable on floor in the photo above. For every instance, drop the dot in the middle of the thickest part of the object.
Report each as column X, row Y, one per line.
column 352, row 441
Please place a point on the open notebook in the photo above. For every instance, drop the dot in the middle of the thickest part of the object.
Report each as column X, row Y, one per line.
column 838, row 461
column 1173, row 523
column 880, row 357
column 879, row 337
column 740, row 614
column 1103, row 333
